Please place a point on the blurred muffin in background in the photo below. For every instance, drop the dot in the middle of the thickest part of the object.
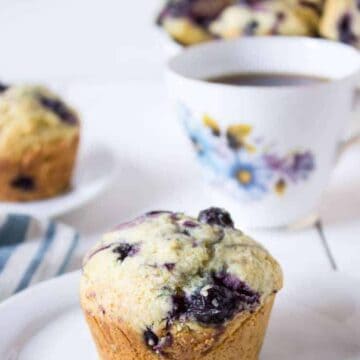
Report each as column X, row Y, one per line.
column 39, row 136
column 187, row 20
column 194, row 21
column 309, row 11
column 260, row 18
column 341, row 21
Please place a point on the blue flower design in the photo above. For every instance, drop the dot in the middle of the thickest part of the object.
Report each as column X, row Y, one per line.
column 251, row 175
column 209, row 152
column 235, row 160
column 212, row 151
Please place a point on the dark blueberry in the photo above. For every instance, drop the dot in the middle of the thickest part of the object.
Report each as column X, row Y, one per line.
column 59, row 108
column 216, row 216
column 190, row 224
column 124, row 250
column 221, row 299
column 248, row 296
column 170, row 266
column 250, row 30
column 3, row 87
column 150, row 338
column 24, row 183
column 175, row 8
column 157, row 213
column 229, row 280
column 218, row 301
column 199, row 11
column 213, row 305
column 208, row 9
column 346, row 34
column 178, row 8
column 179, row 306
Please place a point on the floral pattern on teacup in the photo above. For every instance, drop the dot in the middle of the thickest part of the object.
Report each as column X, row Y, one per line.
column 242, row 163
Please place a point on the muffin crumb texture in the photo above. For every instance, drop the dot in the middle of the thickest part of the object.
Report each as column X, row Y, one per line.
column 176, row 287
column 194, row 21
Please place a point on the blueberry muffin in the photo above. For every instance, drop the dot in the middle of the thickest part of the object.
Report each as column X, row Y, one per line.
column 341, row 21
column 186, row 21
column 167, row 285
column 260, row 18
column 39, row 137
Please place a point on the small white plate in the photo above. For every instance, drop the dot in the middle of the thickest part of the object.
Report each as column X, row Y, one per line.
column 94, row 171
column 314, row 318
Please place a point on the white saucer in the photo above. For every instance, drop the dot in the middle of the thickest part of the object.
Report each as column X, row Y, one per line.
column 94, row 171
column 315, row 318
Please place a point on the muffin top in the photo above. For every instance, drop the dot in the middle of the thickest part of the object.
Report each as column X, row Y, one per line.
column 187, row 20
column 341, row 21
column 194, row 21
column 166, row 270
column 260, row 18
column 198, row 11
column 31, row 116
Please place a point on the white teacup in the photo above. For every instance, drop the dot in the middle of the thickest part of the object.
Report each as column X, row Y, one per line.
column 287, row 138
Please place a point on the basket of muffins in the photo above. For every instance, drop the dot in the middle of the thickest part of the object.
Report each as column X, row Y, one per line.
column 190, row 22
column 39, row 137
column 170, row 286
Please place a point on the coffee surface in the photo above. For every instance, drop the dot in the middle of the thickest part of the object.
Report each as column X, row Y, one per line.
column 266, row 79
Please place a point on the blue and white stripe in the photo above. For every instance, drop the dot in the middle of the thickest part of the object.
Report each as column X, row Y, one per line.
column 32, row 250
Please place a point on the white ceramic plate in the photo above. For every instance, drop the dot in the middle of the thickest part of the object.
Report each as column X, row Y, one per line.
column 94, row 171
column 314, row 319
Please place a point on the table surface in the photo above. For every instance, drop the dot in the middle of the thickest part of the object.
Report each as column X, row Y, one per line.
column 106, row 58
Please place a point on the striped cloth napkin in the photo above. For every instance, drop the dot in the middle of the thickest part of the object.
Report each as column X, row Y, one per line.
column 32, row 250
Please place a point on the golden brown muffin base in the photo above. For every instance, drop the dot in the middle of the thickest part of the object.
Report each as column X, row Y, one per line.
column 241, row 339
column 49, row 165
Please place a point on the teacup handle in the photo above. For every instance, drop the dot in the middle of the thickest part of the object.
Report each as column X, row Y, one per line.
column 355, row 137
column 348, row 142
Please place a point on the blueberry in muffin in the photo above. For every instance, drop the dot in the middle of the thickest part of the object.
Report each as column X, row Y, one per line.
column 39, row 136
column 341, row 21
column 273, row 17
column 187, row 20
column 193, row 21
column 167, row 285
